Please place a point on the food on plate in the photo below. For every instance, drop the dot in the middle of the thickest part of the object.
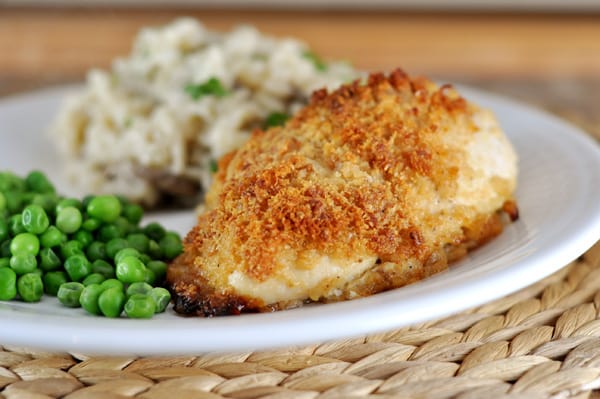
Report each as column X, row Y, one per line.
column 152, row 127
column 90, row 253
column 370, row 187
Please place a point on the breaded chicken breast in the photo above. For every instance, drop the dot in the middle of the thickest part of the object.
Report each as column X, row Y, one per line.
column 370, row 187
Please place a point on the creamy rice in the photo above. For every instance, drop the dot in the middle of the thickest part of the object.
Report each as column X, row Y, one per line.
column 136, row 130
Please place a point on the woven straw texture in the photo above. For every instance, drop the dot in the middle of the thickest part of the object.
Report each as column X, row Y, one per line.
column 541, row 342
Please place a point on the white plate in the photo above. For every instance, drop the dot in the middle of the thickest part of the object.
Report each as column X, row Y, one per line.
column 558, row 196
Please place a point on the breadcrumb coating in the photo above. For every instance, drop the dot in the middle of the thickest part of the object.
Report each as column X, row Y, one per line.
column 368, row 188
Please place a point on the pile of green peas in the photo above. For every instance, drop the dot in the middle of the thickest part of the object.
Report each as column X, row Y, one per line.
column 90, row 253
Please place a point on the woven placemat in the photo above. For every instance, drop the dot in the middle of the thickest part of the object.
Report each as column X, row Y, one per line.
column 541, row 342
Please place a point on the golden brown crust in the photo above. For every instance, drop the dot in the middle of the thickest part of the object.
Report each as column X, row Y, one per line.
column 341, row 178
column 195, row 296
column 271, row 206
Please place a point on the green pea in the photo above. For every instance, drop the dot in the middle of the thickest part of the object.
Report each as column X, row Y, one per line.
column 154, row 250
column 84, row 237
column 2, row 202
column 38, row 271
column 112, row 283
column 52, row 237
column 115, row 245
column 77, row 267
column 34, row 219
column 104, row 268
column 135, row 229
column 67, row 202
column 4, row 262
column 109, row 232
column 23, row 264
column 47, row 201
column 96, row 250
column 111, row 302
column 5, row 249
column 8, row 284
column 138, row 241
column 171, row 245
column 68, row 219
column 38, row 182
column 91, row 224
column 144, row 258
column 159, row 268
column 140, row 306
column 69, row 294
column 161, row 297
column 86, row 200
column 94, row 278
column 130, row 270
column 49, row 260
column 133, row 213
column 28, row 197
column 25, row 244
column 126, row 252
column 15, row 225
column 14, row 201
column 4, row 232
column 149, row 277
column 30, row 287
column 139, row 288
column 89, row 298
column 155, row 231
column 53, row 280
column 123, row 200
column 11, row 182
column 71, row 248
column 123, row 226
column 105, row 208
